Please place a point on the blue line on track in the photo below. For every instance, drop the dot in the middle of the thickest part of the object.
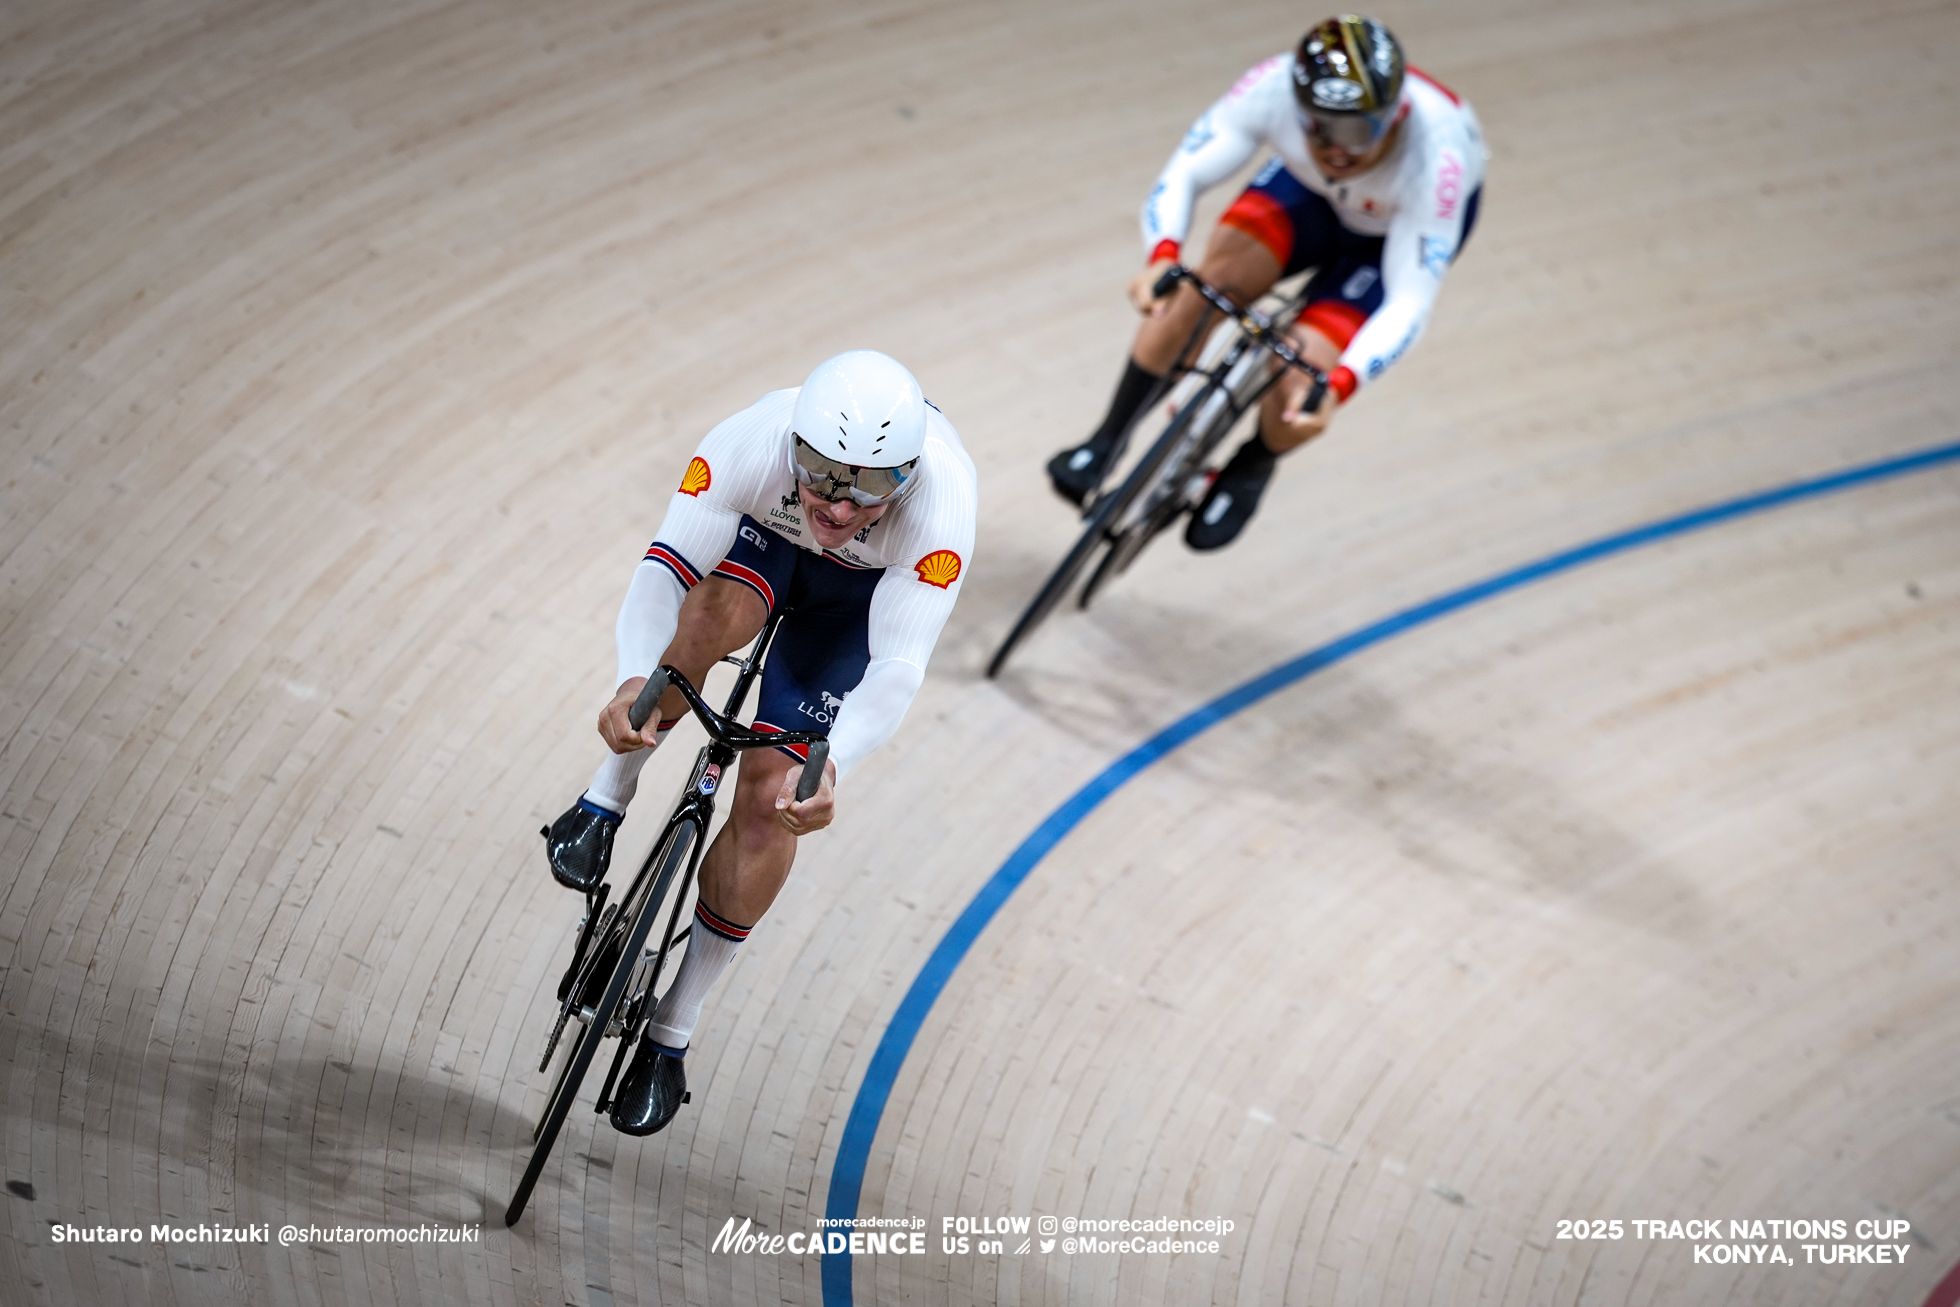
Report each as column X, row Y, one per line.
column 847, row 1172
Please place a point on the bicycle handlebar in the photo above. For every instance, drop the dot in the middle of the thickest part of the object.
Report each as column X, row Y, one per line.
column 731, row 733
column 812, row 776
column 649, row 698
column 1253, row 323
column 1168, row 282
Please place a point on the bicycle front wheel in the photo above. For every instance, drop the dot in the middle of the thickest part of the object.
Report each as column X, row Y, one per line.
column 1094, row 536
column 1103, row 519
column 671, row 855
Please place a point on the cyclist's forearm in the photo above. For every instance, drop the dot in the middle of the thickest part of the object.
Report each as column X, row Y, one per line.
column 909, row 608
column 647, row 620
column 1385, row 337
column 1415, row 257
column 873, row 711
column 904, row 624
column 1221, row 148
column 694, row 537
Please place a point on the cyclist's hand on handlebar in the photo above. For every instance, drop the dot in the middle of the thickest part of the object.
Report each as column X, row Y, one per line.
column 1143, row 287
column 616, row 729
column 815, row 812
column 1300, row 424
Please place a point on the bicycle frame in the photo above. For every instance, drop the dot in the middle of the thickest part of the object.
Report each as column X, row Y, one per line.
column 1259, row 333
column 628, row 992
column 695, row 808
column 1232, row 387
column 1152, row 493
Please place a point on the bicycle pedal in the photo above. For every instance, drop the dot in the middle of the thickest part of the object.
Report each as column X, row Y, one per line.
column 687, row 1096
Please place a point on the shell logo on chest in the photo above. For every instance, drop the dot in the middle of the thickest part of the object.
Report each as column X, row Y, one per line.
column 941, row 567
column 697, row 477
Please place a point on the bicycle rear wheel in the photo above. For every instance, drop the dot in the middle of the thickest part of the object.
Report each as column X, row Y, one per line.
column 670, row 854
column 563, row 1085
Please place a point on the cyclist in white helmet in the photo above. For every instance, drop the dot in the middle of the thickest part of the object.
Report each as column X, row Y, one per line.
column 1374, row 183
column 850, row 503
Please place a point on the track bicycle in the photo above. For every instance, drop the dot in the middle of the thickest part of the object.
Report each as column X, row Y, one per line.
column 609, row 987
column 1234, row 372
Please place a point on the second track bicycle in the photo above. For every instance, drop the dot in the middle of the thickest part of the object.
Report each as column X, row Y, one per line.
column 1225, row 382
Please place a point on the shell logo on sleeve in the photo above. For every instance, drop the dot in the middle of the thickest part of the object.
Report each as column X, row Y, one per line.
column 697, row 477
column 941, row 567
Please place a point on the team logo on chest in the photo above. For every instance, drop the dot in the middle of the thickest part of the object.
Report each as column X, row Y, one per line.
column 787, row 517
column 697, row 477
column 941, row 567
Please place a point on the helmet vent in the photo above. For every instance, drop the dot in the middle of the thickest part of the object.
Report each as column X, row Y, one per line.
column 870, row 406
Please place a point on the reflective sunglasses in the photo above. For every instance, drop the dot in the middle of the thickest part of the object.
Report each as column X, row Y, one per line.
column 834, row 482
column 1357, row 133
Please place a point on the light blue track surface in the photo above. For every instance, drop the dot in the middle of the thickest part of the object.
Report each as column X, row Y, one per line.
column 847, row 1173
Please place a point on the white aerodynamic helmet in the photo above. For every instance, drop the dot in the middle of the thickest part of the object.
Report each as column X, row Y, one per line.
column 858, row 428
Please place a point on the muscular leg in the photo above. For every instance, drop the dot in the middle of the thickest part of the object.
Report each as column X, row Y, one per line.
column 1235, row 263
column 741, row 873
column 750, row 859
column 740, row 876
column 1234, row 494
column 718, row 617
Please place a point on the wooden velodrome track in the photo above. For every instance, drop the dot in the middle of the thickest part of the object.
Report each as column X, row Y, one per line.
column 351, row 352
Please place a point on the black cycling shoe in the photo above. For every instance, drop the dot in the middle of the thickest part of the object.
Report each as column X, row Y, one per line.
column 1231, row 501
column 1075, row 473
column 652, row 1090
column 579, row 845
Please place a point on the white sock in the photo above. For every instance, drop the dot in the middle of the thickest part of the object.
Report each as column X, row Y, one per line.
column 711, row 946
column 618, row 776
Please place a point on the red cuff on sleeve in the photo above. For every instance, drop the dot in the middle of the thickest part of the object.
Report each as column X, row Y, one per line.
column 1166, row 249
column 1342, row 382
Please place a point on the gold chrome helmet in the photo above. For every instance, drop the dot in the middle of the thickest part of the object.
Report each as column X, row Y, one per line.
column 1347, row 76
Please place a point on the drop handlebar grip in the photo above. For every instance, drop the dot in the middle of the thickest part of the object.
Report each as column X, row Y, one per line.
column 1314, row 396
column 1168, row 282
column 812, row 776
column 649, row 701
